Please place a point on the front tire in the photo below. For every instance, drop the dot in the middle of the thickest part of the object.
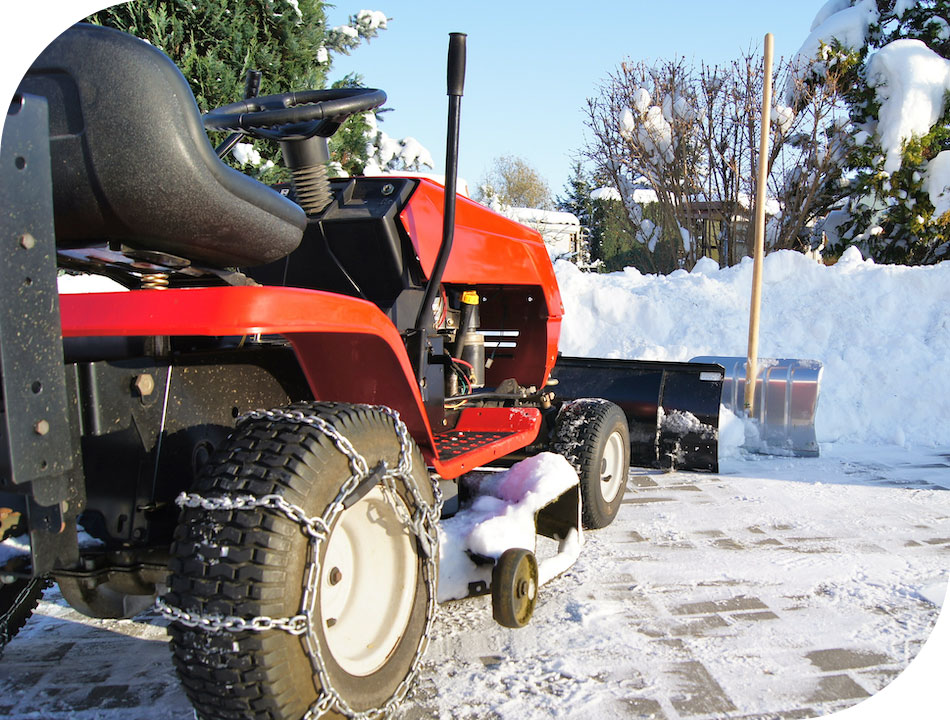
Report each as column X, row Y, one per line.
column 593, row 435
column 370, row 593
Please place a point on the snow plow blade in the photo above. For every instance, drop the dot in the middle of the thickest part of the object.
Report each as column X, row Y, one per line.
column 672, row 408
column 784, row 403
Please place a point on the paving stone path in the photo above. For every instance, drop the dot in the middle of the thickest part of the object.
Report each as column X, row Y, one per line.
column 757, row 593
column 717, row 596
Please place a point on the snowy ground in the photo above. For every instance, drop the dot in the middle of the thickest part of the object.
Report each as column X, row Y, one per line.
column 777, row 588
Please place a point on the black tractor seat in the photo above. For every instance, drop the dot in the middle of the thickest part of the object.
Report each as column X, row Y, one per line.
column 131, row 162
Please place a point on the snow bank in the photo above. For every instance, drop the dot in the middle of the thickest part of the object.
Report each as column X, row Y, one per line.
column 882, row 332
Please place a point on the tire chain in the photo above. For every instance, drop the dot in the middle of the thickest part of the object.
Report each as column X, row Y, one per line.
column 424, row 525
column 5, row 634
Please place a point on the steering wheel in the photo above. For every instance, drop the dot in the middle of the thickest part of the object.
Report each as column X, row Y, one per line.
column 294, row 115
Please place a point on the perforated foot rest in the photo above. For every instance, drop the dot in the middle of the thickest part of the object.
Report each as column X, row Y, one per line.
column 485, row 434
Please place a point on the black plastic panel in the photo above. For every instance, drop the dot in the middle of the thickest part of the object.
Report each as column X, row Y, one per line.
column 141, row 449
column 672, row 408
column 356, row 247
column 36, row 421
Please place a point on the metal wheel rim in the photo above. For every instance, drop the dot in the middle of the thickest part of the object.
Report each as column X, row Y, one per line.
column 367, row 584
column 612, row 471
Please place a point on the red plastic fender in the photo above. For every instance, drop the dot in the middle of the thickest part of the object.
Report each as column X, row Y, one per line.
column 348, row 349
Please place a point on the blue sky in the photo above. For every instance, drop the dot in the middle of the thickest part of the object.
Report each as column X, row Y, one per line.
column 532, row 64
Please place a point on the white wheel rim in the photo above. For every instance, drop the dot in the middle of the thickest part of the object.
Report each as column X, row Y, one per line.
column 613, row 474
column 367, row 585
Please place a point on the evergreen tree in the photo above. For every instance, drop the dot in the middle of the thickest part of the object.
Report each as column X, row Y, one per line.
column 576, row 199
column 610, row 242
column 215, row 43
column 348, row 145
column 890, row 213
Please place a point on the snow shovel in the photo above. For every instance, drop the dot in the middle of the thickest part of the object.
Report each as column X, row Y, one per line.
column 784, row 402
column 779, row 395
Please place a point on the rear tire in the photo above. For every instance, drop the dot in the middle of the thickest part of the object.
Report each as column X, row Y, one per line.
column 372, row 599
column 593, row 435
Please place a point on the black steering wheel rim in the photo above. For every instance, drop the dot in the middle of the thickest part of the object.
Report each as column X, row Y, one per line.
column 298, row 114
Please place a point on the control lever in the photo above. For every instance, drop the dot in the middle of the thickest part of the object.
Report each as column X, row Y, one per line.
column 252, row 88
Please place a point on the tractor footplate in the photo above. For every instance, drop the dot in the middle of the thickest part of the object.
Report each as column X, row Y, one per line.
column 482, row 435
column 452, row 444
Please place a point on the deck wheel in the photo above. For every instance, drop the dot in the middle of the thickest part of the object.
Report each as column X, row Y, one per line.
column 514, row 587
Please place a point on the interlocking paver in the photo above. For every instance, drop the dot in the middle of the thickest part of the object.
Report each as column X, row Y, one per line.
column 645, row 708
column 755, row 616
column 837, row 687
column 843, row 659
column 742, row 602
column 645, row 499
column 700, row 693
column 698, row 625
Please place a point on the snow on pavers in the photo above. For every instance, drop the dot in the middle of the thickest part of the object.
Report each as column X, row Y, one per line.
column 778, row 588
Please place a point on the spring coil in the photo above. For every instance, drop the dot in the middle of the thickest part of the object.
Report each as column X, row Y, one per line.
column 312, row 188
column 155, row 281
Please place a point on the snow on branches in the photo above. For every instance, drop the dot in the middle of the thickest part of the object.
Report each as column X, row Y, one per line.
column 894, row 63
column 364, row 25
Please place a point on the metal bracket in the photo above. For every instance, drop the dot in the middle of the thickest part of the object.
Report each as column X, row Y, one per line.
column 36, row 421
column 39, row 448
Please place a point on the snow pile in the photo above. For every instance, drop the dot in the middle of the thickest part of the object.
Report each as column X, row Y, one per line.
column 370, row 20
column 881, row 331
column 911, row 82
column 500, row 517
column 247, row 154
column 561, row 231
column 606, row 193
column 533, row 215
column 653, row 131
column 782, row 118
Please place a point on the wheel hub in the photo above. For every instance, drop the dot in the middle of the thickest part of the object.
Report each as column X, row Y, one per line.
column 367, row 584
column 613, row 473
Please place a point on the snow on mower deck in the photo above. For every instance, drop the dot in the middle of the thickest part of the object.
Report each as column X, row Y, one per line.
column 490, row 545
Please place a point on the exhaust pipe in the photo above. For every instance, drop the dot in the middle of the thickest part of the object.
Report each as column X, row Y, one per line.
column 455, row 81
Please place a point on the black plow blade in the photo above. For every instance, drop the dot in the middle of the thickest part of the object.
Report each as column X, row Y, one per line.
column 672, row 408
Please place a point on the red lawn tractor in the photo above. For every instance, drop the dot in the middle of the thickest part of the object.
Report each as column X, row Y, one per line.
column 263, row 433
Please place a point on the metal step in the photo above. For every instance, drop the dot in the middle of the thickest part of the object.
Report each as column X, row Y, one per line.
column 482, row 435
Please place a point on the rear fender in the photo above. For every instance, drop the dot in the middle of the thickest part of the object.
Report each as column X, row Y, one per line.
column 347, row 348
